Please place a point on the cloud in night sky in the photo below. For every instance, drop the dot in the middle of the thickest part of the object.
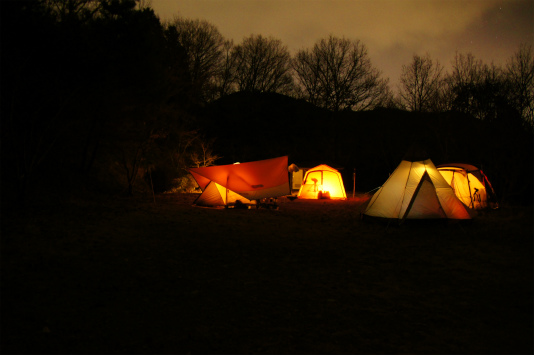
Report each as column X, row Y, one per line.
column 392, row 30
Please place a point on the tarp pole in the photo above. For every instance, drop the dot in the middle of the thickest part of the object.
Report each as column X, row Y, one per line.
column 226, row 202
column 354, row 183
column 152, row 184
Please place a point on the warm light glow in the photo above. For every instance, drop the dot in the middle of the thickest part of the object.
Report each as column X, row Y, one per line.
column 322, row 182
column 328, row 186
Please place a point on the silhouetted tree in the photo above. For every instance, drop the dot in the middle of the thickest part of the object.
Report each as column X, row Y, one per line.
column 203, row 155
column 467, row 84
column 85, row 84
column 33, row 102
column 204, row 46
column 337, row 74
column 466, row 72
column 490, row 95
column 79, row 11
column 420, row 84
column 225, row 81
column 152, row 111
column 520, row 76
column 262, row 65
column 476, row 88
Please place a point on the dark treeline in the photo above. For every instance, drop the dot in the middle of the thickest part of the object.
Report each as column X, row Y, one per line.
column 102, row 96
column 92, row 92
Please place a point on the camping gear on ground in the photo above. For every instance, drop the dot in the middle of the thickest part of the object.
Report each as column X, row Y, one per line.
column 322, row 181
column 241, row 183
column 470, row 185
column 416, row 190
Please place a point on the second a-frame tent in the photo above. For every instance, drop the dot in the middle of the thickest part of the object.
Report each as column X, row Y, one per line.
column 416, row 190
column 470, row 184
column 223, row 185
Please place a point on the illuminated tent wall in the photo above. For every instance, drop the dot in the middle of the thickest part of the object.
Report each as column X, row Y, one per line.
column 223, row 185
column 416, row 190
column 470, row 185
column 322, row 182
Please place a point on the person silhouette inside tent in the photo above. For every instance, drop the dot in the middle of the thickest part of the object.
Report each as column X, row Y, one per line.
column 476, row 198
column 314, row 184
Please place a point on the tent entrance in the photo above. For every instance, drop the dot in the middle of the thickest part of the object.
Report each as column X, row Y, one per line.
column 425, row 202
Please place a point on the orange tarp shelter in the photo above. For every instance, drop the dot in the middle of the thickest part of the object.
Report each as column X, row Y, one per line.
column 322, row 181
column 223, row 185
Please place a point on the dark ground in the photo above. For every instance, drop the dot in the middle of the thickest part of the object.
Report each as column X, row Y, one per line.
column 128, row 276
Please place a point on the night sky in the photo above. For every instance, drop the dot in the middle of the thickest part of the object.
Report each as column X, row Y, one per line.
column 392, row 30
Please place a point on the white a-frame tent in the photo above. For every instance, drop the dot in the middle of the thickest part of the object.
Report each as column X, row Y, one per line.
column 416, row 190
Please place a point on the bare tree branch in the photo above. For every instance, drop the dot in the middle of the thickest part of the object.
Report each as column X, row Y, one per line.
column 262, row 65
column 337, row 74
column 420, row 84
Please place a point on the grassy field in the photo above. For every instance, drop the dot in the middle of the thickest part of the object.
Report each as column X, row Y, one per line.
column 130, row 276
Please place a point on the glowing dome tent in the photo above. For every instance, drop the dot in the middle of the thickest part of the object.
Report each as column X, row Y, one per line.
column 223, row 185
column 416, row 190
column 322, row 181
column 470, row 185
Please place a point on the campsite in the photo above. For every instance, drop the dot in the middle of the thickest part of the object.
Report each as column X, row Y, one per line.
column 123, row 275
column 165, row 189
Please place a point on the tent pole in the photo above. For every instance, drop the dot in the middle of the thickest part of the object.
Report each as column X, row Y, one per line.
column 472, row 204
